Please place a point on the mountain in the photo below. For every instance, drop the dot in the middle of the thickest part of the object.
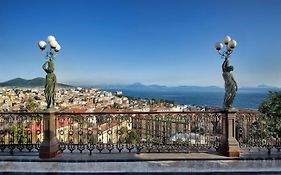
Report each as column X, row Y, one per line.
column 259, row 89
column 36, row 82
column 40, row 82
column 159, row 88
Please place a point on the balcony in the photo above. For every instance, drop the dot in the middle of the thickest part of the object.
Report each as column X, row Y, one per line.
column 136, row 132
column 136, row 136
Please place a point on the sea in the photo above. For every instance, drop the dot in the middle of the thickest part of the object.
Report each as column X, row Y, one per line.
column 245, row 100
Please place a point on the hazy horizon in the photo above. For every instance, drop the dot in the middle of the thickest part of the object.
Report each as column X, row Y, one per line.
column 134, row 83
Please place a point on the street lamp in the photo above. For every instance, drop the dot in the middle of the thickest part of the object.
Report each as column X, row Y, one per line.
column 49, row 146
column 49, row 68
column 230, row 84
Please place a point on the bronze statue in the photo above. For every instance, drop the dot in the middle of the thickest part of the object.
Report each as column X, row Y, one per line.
column 50, row 81
column 49, row 68
column 230, row 84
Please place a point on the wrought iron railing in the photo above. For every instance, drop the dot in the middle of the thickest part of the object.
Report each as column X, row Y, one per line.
column 21, row 131
column 134, row 131
column 114, row 132
column 253, row 132
column 139, row 132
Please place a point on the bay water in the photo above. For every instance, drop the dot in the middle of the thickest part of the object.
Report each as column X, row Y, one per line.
column 247, row 100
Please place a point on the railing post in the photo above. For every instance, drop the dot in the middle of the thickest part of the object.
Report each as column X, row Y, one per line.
column 229, row 145
column 49, row 147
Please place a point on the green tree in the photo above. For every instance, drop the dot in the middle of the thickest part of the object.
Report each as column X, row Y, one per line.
column 133, row 136
column 271, row 108
column 116, row 106
column 32, row 105
column 123, row 132
column 19, row 134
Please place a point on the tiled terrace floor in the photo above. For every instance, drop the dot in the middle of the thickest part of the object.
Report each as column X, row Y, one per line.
column 145, row 163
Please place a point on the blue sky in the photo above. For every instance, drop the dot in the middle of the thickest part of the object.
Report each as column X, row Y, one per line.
column 167, row 42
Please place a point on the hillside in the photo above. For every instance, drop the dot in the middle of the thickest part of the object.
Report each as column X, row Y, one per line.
column 20, row 82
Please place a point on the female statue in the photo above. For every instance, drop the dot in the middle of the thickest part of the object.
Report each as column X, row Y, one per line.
column 50, row 81
column 230, row 84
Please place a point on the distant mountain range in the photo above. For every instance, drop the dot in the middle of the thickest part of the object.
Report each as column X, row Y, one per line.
column 20, row 82
column 40, row 82
column 160, row 88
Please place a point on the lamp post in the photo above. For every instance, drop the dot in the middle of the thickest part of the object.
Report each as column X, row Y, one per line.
column 230, row 84
column 49, row 147
column 229, row 145
column 49, row 68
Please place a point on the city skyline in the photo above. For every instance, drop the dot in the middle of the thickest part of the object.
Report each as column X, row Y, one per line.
column 152, row 42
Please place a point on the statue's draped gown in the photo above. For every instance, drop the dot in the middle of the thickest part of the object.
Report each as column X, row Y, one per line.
column 230, row 84
column 50, row 84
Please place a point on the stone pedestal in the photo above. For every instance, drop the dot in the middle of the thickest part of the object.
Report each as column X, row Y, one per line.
column 49, row 147
column 229, row 145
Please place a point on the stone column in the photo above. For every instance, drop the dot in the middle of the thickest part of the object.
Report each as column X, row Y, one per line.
column 229, row 145
column 49, row 147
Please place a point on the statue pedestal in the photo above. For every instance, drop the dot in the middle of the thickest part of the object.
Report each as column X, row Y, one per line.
column 229, row 145
column 49, row 147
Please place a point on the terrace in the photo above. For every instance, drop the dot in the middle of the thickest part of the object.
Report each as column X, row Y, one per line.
column 136, row 136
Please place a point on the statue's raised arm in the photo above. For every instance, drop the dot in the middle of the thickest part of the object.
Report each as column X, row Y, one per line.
column 44, row 67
